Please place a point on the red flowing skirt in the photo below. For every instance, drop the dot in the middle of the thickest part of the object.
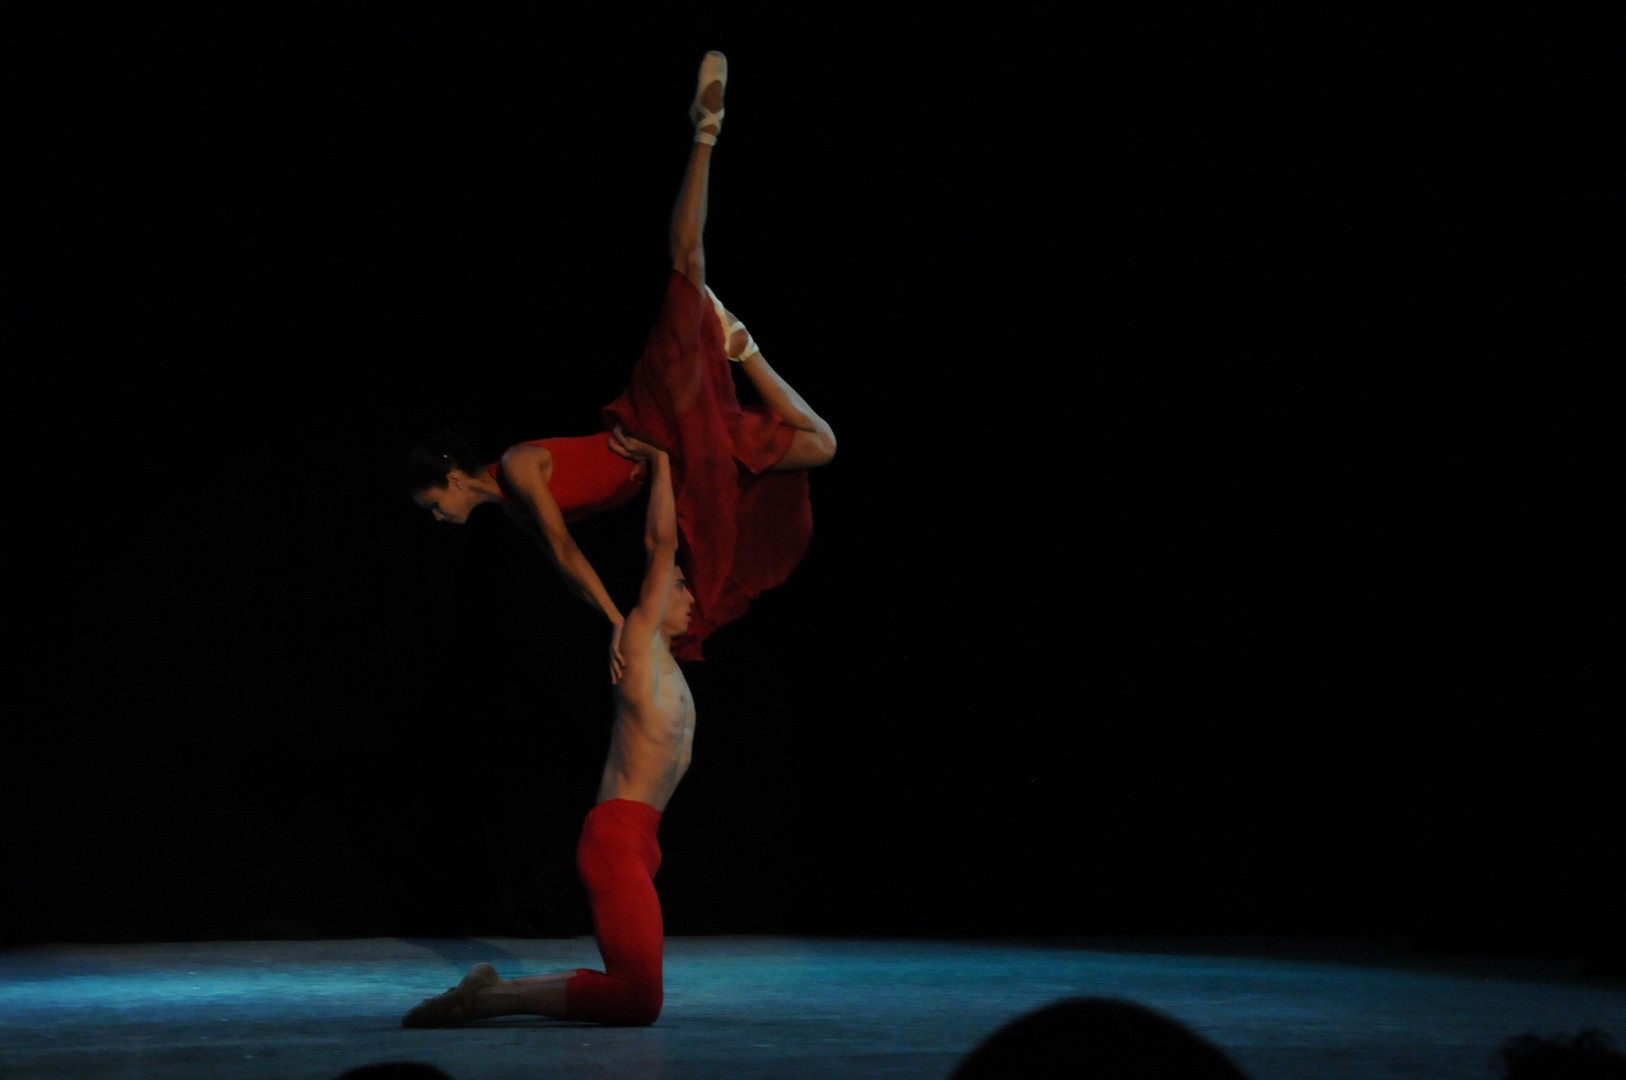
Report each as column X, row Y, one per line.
column 743, row 528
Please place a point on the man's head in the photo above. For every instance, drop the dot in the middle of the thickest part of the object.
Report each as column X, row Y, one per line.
column 679, row 606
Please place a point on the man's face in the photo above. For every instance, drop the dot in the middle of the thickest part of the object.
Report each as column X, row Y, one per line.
column 679, row 607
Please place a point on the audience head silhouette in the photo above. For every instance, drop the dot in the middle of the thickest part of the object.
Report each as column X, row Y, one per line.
column 1097, row 1037
column 1588, row 1055
column 395, row 1070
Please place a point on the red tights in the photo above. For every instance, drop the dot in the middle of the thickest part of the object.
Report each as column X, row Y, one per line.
column 617, row 858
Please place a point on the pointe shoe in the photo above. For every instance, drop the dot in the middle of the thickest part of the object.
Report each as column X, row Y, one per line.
column 713, row 69
column 751, row 348
column 455, row 1006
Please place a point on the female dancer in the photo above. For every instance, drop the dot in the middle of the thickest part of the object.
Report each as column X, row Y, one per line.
column 738, row 472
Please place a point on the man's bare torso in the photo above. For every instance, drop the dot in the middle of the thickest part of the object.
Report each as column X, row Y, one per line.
column 653, row 737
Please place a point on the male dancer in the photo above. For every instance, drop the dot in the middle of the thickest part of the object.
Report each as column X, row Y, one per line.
column 618, row 854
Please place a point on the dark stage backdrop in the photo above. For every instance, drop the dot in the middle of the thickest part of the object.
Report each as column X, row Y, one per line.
column 1214, row 545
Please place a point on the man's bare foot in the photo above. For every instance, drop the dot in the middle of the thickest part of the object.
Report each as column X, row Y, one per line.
column 456, row 1006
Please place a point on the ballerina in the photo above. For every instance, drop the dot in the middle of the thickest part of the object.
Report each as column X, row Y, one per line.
column 739, row 471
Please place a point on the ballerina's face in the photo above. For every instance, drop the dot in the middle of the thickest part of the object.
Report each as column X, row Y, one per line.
column 450, row 502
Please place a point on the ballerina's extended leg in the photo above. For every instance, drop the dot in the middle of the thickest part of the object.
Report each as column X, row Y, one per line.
column 815, row 442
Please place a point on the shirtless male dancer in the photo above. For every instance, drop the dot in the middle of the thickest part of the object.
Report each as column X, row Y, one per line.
column 618, row 854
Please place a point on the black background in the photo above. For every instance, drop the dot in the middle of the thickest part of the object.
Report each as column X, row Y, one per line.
column 1215, row 544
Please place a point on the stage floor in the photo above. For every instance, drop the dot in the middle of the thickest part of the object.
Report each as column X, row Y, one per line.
column 770, row 1007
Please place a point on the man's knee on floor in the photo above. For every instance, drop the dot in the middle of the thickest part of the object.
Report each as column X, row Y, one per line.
column 641, row 1005
column 621, row 1000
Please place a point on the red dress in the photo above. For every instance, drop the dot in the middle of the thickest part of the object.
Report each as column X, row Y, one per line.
column 744, row 529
